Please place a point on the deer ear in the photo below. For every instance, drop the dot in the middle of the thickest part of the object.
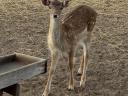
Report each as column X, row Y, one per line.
column 65, row 3
column 46, row 2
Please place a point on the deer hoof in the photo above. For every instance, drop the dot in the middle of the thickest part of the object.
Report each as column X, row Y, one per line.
column 79, row 73
column 82, row 83
column 45, row 94
column 70, row 87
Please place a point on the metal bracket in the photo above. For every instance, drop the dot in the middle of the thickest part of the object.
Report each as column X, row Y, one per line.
column 13, row 90
column 45, row 67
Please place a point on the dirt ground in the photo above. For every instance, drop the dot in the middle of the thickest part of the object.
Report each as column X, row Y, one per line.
column 24, row 28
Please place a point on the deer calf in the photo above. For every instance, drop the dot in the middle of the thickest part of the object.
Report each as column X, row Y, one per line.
column 65, row 35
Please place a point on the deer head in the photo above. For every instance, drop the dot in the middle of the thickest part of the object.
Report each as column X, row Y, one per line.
column 56, row 3
column 56, row 6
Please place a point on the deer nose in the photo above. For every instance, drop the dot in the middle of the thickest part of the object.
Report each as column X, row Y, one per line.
column 55, row 16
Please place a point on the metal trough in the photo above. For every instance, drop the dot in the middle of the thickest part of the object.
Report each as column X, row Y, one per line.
column 17, row 67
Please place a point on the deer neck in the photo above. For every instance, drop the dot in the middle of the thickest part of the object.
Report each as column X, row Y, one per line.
column 55, row 25
column 55, row 33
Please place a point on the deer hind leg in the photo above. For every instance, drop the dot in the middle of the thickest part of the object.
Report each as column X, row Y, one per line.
column 71, row 66
column 54, row 61
column 83, row 66
column 80, row 70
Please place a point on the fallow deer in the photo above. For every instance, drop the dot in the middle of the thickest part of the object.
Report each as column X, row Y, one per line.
column 66, row 34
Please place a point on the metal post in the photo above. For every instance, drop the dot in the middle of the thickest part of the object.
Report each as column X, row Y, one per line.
column 1, row 93
column 13, row 90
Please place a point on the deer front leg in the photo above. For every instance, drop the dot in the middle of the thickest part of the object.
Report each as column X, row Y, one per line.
column 71, row 66
column 54, row 61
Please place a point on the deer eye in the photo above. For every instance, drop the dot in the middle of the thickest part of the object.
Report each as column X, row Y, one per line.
column 61, row 7
column 55, row 16
column 49, row 7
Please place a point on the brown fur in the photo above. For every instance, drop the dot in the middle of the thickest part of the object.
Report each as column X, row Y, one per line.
column 75, row 22
column 84, row 15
